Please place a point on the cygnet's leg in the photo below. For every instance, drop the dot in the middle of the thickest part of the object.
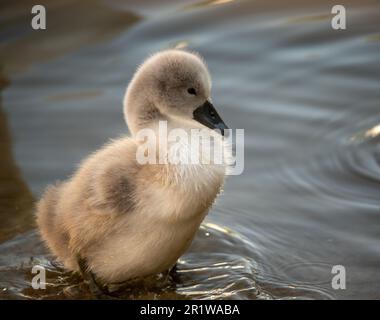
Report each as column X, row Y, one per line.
column 173, row 273
column 174, row 269
column 96, row 288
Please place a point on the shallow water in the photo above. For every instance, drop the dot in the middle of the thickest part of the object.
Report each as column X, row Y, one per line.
column 307, row 96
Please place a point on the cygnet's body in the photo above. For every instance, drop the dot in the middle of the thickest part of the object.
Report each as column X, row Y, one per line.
column 128, row 219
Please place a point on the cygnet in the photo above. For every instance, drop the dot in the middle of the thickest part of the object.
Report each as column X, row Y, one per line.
column 126, row 219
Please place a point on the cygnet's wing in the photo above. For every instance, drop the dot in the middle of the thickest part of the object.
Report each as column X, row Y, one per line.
column 113, row 177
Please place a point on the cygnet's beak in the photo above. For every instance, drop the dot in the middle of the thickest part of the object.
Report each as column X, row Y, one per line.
column 207, row 115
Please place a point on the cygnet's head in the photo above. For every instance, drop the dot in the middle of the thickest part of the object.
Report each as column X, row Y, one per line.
column 171, row 84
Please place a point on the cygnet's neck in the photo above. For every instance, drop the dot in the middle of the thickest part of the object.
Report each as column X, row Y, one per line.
column 140, row 114
column 143, row 114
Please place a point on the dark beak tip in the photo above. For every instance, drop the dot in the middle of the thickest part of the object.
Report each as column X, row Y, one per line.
column 208, row 116
column 223, row 130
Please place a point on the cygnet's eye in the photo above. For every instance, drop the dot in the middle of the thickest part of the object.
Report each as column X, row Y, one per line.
column 192, row 91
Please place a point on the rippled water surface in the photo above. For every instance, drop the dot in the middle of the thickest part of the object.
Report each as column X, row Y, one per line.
column 307, row 96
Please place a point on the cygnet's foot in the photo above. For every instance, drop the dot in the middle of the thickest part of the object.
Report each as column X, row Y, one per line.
column 97, row 289
column 173, row 273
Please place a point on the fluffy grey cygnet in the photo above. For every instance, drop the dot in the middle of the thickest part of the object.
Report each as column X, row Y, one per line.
column 127, row 219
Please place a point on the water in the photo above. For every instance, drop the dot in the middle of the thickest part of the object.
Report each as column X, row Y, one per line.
column 307, row 96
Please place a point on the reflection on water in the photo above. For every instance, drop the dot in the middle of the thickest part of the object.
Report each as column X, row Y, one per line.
column 373, row 132
column 70, row 26
column 307, row 96
column 211, row 269
column 16, row 201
